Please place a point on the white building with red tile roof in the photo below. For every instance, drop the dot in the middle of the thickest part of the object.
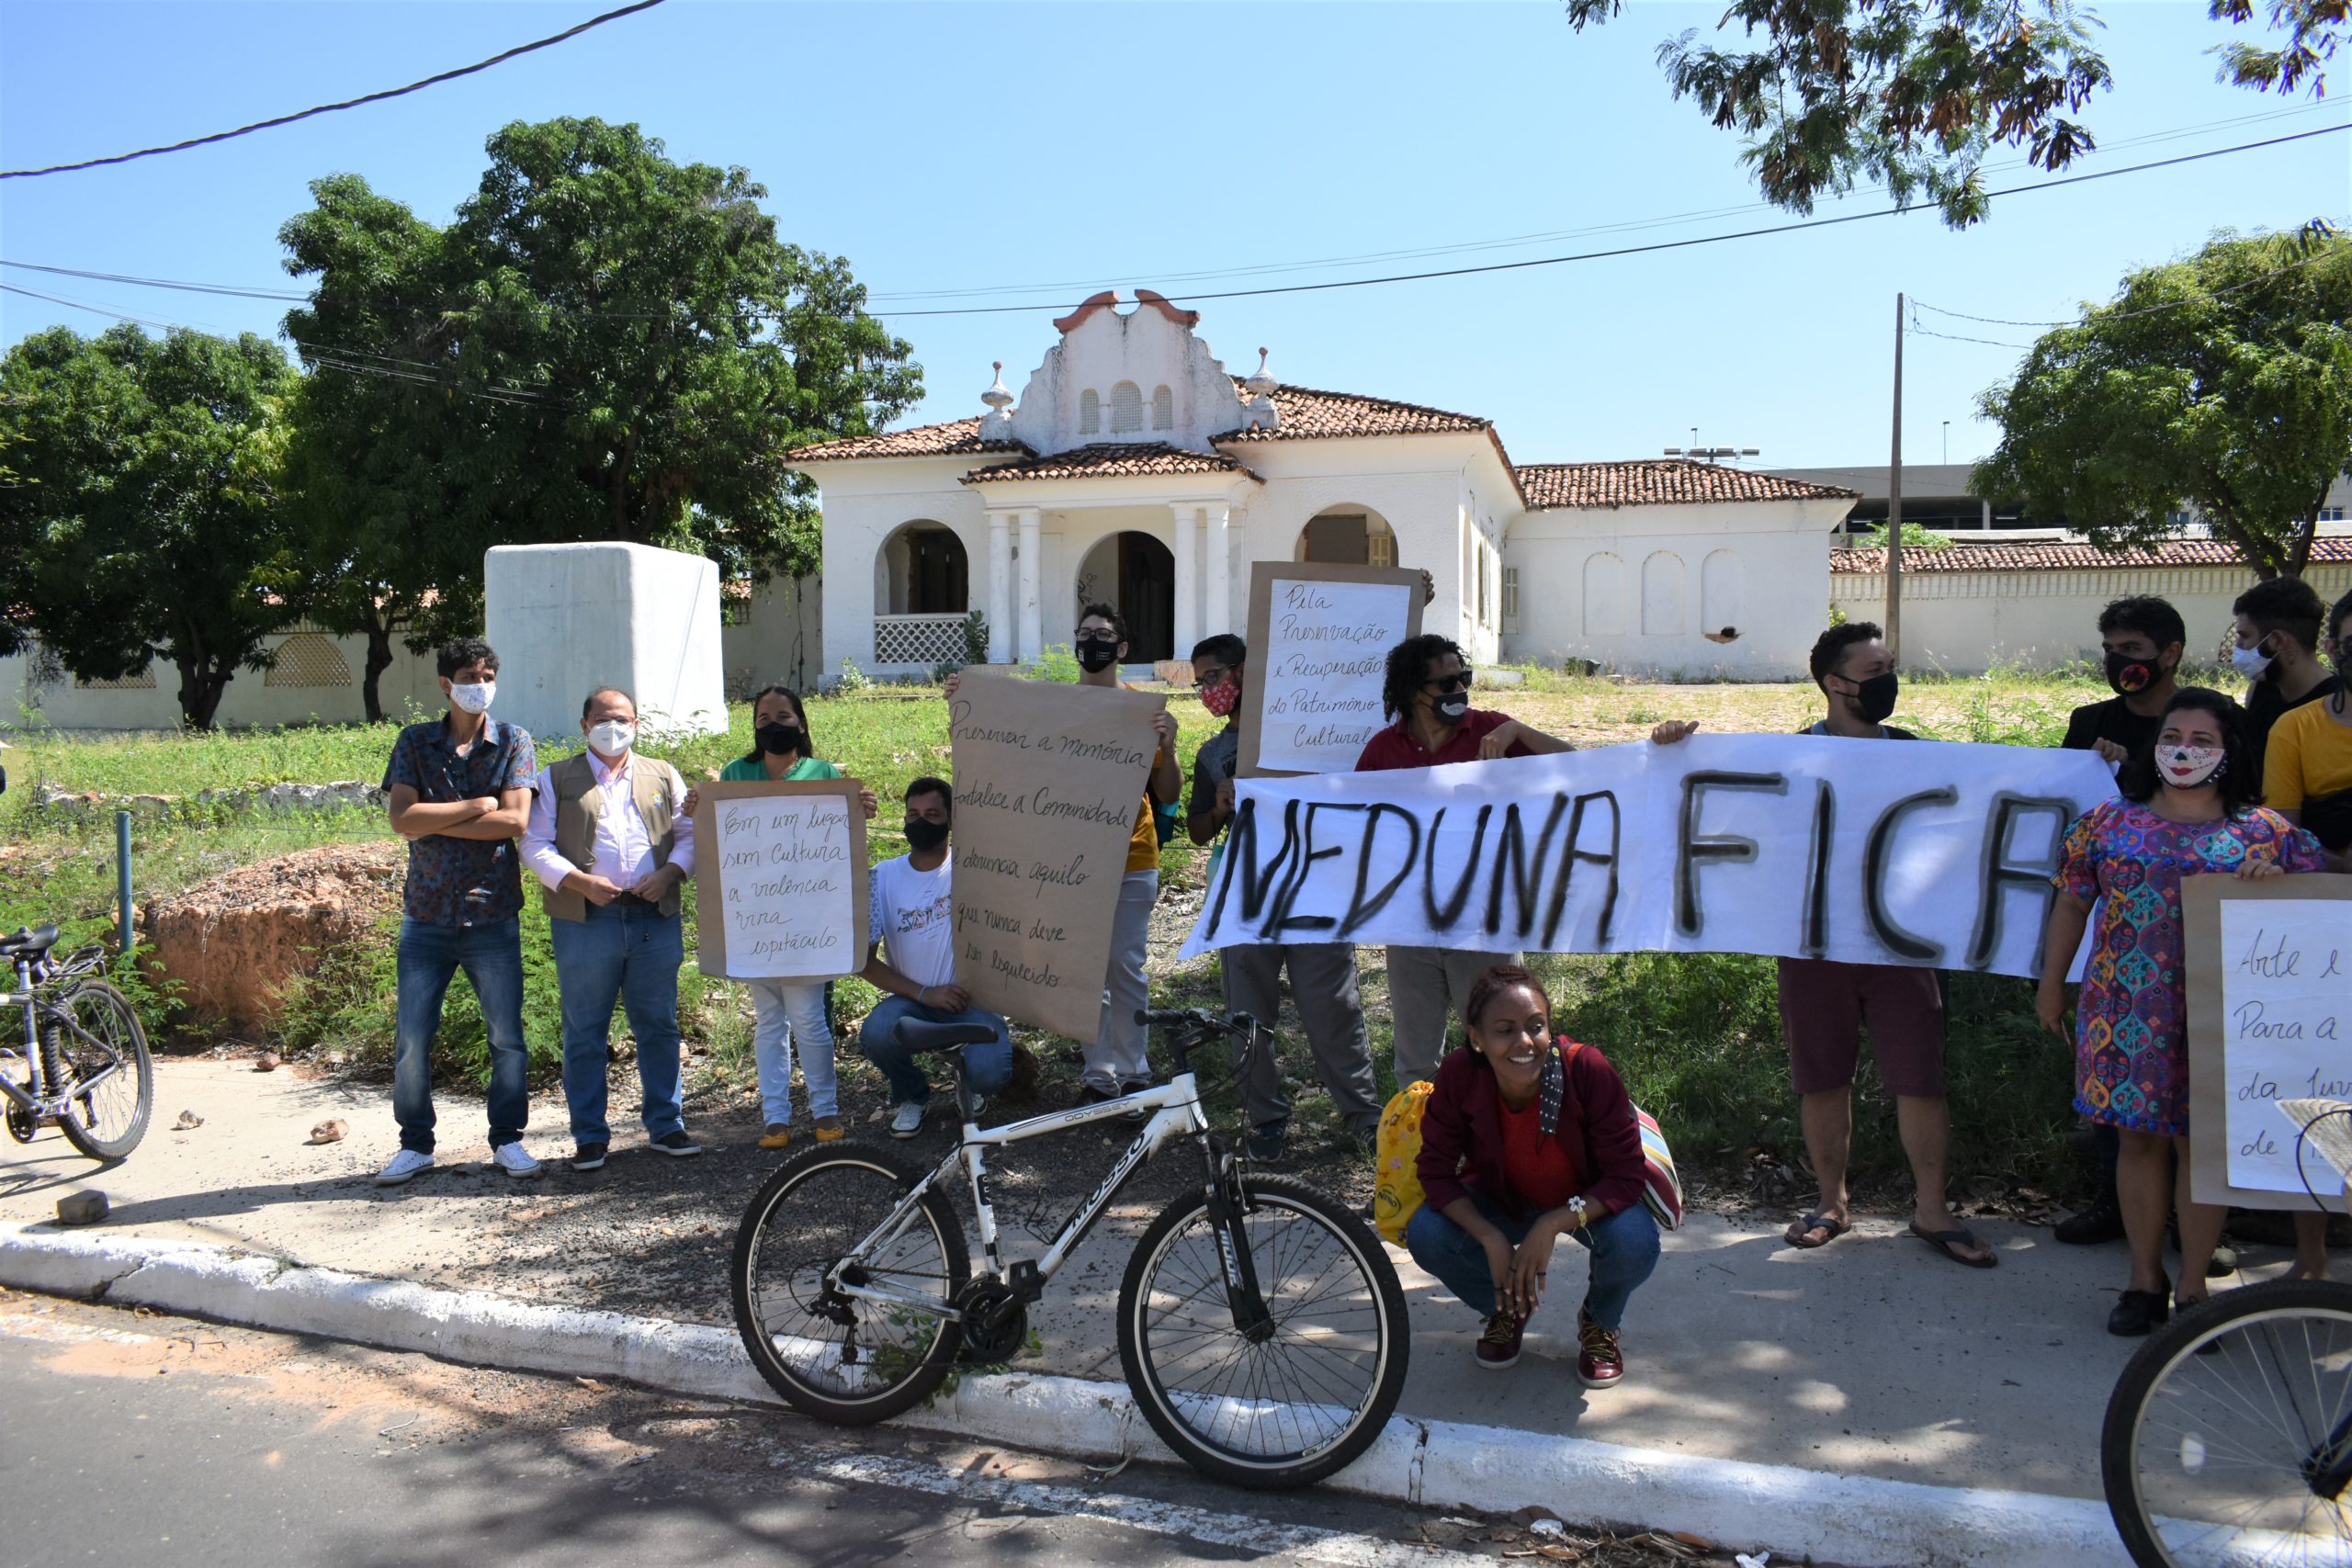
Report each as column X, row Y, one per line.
column 1132, row 468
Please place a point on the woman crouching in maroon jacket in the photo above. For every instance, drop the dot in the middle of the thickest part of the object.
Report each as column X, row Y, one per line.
column 1519, row 1145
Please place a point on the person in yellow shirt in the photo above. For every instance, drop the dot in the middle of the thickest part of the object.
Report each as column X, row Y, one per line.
column 1115, row 1063
column 2307, row 768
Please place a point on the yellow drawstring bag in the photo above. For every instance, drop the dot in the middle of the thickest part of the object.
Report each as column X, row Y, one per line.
column 1396, row 1180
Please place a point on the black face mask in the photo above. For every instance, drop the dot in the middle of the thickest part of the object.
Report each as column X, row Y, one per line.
column 775, row 739
column 1453, row 707
column 1096, row 654
column 1875, row 697
column 2128, row 673
column 925, row 836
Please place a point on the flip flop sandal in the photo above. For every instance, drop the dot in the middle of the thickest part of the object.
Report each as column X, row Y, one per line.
column 1795, row 1234
column 1950, row 1242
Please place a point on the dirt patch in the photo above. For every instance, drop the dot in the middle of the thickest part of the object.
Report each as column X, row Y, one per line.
column 232, row 943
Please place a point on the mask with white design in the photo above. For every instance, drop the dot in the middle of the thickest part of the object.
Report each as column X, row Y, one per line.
column 2191, row 767
column 472, row 696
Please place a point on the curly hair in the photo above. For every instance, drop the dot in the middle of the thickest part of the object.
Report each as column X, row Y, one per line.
column 1829, row 647
column 2241, row 780
column 1409, row 667
column 2151, row 617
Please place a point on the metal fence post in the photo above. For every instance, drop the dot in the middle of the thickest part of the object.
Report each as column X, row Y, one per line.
column 122, row 876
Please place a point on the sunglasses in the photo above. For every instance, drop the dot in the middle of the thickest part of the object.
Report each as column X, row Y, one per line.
column 1451, row 683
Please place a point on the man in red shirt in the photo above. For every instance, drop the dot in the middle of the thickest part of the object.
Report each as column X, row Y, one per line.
column 1428, row 697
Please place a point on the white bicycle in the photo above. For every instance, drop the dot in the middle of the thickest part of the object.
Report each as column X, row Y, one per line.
column 1260, row 1324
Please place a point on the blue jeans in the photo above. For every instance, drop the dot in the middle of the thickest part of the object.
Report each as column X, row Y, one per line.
column 629, row 957
column 492, row 956
column 1624, row 1249
column 988, row 1067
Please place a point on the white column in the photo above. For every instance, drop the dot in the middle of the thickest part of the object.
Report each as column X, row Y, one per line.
column 999, row 587
column 1185, row 540
column 1031, row 610
column 1219, row 617
column 1986, row 517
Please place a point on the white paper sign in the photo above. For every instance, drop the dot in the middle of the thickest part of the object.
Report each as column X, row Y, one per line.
column 1326, row 651
column 1865, row 851
column 788, row 871
column 2286, row 1020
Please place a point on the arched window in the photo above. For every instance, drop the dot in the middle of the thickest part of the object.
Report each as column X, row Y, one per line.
column 921, row 569
column 1126, row 408
column 1662, row 594
column 1604, row 595
column 1346, row 535
column 1163, row 408
column 1090, row 412
column 308, row 658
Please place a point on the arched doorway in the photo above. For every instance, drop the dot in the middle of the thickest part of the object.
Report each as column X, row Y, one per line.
column 921, row 569
column 1137, row 573
column 1347, row 536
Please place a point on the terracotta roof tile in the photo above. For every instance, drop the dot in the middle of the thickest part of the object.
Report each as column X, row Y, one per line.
column 1658, row 481
column 1115, row 461
column 2038, row 556
column 1307, row 414
column 956, row 439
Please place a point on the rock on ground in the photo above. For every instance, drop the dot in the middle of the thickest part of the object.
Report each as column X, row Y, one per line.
column 234, row 941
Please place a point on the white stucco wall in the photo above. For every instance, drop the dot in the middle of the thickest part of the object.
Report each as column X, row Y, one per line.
column 1969, row 622
column 566, row 618
column 1632, row 587
column 252, row 698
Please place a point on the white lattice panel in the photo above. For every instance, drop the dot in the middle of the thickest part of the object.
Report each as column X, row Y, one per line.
column 918, row 639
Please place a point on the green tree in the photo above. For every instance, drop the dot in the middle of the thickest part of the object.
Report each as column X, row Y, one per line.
column 391, row 543
column 2224, row 380
column 144, row 525
column 620, row 346
column 1913, row 93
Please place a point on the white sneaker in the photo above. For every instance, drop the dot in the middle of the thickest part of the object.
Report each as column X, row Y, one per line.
column 405, row 1165
column 905, row 1119
column 515, row 1159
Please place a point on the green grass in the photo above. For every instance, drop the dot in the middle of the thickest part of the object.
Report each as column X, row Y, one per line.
column 1697, row 1037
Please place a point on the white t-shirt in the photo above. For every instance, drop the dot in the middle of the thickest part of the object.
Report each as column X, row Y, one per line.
column 913, row 914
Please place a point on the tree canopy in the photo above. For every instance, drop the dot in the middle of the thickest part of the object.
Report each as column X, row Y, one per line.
column 2223, row 380
column 1914, row 94
column 142, row 523
column 603, row 344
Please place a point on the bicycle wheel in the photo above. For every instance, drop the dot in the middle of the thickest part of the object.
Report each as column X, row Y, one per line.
column 2240, row 1454
column 1274, row 1410
column 824, row 1221
column 106, row 1119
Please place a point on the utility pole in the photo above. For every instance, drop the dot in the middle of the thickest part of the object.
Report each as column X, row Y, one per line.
column 1894, row 505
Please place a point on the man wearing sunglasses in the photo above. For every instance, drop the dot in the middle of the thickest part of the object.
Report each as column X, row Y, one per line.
column 1322, row 974
column 1428, row 697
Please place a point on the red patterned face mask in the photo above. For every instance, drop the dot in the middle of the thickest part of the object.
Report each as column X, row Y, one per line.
column 1219, row 699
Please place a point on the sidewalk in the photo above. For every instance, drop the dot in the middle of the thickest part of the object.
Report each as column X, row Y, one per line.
column 1870, row 1358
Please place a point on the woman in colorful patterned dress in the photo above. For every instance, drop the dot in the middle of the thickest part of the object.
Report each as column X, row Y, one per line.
column 2189, row 806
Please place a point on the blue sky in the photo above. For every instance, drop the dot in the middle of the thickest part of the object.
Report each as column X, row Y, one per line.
column 986, row 146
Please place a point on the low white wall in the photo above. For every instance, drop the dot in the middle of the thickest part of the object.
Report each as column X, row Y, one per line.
column 1969, row 622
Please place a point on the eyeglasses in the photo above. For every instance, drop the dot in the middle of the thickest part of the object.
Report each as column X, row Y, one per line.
column 1211, row 677
column 1460, row 682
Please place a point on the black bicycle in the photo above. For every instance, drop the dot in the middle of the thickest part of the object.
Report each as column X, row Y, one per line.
column 1260, row 1324
column 82, row 1062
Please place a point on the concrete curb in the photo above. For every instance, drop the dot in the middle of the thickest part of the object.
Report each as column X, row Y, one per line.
column 1797, row 1514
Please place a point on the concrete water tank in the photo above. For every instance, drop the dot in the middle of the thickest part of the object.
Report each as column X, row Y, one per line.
column 568, row 618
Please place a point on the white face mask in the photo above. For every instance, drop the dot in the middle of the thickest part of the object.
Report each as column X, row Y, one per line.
column 471, row 697
column 2251, row 662
column 2187, row 767
column 611, row 737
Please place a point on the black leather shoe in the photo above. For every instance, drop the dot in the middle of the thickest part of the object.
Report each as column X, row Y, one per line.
column 2101, row 1222
column 2139, row 1313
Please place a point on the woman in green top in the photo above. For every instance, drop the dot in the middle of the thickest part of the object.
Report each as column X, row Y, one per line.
column 788, row 1011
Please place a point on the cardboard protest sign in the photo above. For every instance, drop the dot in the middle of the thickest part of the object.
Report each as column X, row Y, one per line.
column 1319, row 638
column 2269, row 1013
column 1049, row 779
column 780, row 885
column 1865, row 851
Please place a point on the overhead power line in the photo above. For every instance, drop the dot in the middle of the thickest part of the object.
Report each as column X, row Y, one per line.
column 498, row 59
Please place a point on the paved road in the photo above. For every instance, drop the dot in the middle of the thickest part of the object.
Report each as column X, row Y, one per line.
column 155, row 1440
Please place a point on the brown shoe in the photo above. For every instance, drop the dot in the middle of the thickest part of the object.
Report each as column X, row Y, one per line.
column 829, row 1128
column 1499, row 1346
column 778, row 1136
column 1601, row 1363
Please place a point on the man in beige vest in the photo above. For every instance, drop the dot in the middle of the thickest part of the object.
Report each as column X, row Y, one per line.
column 610, row 845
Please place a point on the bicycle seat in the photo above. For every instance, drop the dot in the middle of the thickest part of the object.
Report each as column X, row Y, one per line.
column 917, row 1035
column 31, row 942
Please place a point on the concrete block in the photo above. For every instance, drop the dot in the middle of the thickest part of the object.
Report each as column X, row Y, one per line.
column 566, row 618
column 86, row 1207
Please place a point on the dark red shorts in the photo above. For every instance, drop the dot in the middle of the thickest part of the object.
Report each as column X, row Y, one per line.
column 1825, row 1005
